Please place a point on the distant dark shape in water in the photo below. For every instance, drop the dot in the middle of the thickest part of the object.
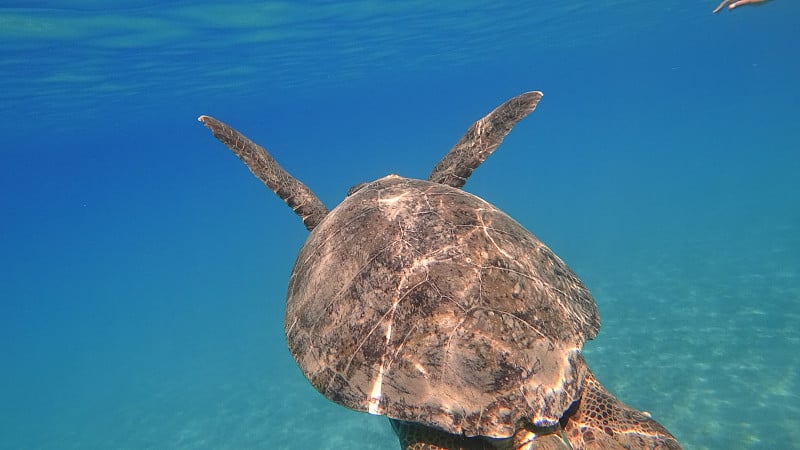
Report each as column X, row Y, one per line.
column 416, row 300
column 731, row 4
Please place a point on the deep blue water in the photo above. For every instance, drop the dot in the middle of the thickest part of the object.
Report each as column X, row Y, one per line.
column 143, row 269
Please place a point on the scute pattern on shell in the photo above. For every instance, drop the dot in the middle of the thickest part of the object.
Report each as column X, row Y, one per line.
column 427, row 304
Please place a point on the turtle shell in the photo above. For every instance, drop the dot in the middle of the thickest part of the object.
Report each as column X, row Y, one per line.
column 427, row 304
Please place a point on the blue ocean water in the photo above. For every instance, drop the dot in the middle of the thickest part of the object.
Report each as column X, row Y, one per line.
column 143, row 269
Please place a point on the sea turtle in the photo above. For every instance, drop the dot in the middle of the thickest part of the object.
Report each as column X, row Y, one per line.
column 416, row 300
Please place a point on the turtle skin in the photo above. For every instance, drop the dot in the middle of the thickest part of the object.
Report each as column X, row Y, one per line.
column 598, row 421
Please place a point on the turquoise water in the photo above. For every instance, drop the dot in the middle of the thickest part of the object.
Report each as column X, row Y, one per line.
column 143, row 269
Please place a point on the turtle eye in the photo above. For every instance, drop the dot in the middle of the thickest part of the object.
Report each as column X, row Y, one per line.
column 355, row 189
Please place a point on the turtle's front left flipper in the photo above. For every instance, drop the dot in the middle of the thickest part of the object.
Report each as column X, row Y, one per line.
column 296, row 194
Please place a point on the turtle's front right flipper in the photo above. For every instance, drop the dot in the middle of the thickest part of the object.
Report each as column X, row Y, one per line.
column 481, row 139
column 296, row 194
